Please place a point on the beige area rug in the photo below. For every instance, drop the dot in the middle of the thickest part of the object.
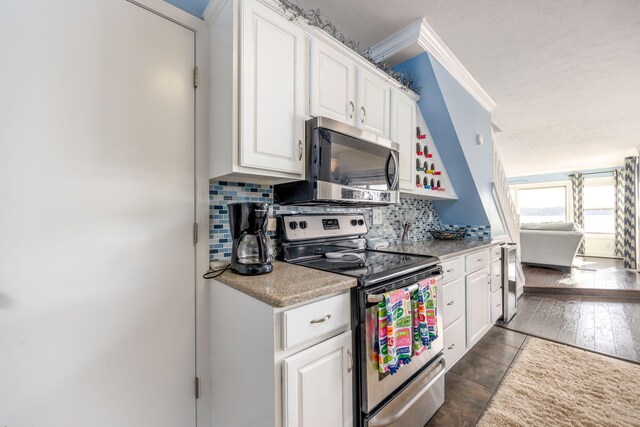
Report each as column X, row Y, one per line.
column 556, row 385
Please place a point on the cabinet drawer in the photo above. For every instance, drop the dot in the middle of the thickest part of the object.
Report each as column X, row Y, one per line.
column 313, row 320
column 496, row 275
column 477, row 260
column 496, row 253
column 452, row 269
column 452, row 301
column 496, row 305
column 454, row 342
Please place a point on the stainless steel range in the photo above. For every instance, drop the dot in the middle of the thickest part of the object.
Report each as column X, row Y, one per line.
column 336, row 243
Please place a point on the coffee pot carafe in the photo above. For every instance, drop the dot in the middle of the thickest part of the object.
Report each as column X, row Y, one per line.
column 252, row 251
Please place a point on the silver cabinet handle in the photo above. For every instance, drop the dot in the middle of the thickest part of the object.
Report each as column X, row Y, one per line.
column 498, row 305
column 451, row 347
column 300, row 149
column 350, row 368
column 364, row 114
column 353, row 109
column 324, row 319
column 450, row 270
column 450, row 303
column 479, row 259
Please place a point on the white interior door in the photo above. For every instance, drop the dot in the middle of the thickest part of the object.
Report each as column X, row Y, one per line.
column 97, row 263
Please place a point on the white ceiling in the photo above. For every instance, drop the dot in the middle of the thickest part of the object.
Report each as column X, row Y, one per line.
column 565, row 73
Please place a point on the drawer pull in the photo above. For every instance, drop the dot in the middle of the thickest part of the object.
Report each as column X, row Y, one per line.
column 450, row 270
column 350, row 368
column 450, row 303
column 498, row 305
column 451, row 347
column 324, row 319
column 479, row 259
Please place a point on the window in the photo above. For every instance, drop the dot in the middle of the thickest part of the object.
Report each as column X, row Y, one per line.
column 599, row 207
column 542, row 204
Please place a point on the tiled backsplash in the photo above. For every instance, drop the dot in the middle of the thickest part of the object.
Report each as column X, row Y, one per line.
column 221, row 193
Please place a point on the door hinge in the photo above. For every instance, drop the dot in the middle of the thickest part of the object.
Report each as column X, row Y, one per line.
column 195, row 233
column 197, row 387
column 196, row 77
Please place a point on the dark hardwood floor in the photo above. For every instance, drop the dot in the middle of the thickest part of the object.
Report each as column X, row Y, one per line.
column 605, row 325
column 470, row 383
column 595, row 277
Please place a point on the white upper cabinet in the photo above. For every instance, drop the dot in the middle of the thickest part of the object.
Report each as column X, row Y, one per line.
column 272, row 87
column 258, row 92
column 344, row 90
column 373, row 103
column 403, row 124
column 332, row 83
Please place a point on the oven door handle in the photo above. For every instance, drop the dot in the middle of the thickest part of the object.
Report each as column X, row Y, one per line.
column 393, row 184
column 395, row 417
column 379, row 298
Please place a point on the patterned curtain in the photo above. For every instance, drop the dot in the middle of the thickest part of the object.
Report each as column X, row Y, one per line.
column 618, row 177
column 577, row 190
column 629, row 251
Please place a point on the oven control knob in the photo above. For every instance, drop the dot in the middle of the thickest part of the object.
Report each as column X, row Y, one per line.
column 293, row 225
column 354, row 222
column 360, row 222
column 303, row 224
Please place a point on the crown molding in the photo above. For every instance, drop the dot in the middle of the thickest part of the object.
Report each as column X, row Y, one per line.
column 420, row 37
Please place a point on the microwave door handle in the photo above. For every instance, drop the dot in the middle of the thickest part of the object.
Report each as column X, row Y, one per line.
column 386, row 170
column 392, row 183
column 396, row 177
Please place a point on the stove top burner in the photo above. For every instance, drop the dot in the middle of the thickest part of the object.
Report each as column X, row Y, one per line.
column 371, row 265
column 340, row 248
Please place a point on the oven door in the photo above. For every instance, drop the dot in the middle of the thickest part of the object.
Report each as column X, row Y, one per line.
column 352, row 166
column 375, row 386
column 416, row 403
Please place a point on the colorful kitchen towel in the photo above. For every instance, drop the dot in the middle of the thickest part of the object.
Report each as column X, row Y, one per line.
column 394, row 331
column 425, row 316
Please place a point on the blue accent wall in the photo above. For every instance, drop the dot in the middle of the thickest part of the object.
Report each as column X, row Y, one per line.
column 194, row 7
column 454, row 118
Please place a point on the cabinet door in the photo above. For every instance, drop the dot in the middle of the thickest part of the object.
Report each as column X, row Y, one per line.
column 332, row 84
column 496, row 275
column 272, row 91
column 478, row 305
column 317, row 385
column 496, row 305
column 403, row 125
column 373, row 103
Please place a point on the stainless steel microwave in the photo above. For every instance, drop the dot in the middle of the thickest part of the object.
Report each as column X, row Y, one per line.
column 344, row 166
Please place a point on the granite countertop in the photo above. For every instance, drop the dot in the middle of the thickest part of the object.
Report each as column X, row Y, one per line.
column 443, row 249
column 288, row 284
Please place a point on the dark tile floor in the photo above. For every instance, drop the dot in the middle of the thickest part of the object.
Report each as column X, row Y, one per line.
column 596, row 277
column 605, row 325
column 470, row 383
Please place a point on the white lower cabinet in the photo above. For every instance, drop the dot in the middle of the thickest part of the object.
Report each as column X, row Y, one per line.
column 496, row 305
column 318, row 385
column 453, row 301
column 454, row 342
column 478, row 305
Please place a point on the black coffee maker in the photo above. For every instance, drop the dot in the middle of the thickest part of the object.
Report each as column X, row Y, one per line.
column 252, row 251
